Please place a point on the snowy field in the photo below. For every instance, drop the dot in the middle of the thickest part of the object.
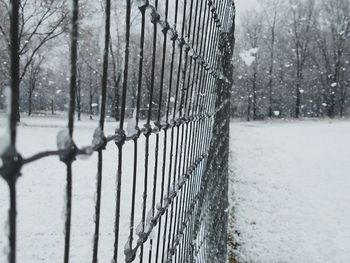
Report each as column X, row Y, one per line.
column 41, row 194
column 290, row 189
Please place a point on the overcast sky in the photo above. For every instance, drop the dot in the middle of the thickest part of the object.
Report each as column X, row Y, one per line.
column 243, row 5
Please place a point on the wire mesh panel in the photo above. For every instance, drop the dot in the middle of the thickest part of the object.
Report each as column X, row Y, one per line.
column 172, row 195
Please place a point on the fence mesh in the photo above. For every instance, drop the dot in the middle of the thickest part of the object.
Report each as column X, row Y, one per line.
column 184, row 195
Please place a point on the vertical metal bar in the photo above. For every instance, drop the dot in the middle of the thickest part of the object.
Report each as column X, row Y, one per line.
column 73, row 70
column 174, row 212
column 165, row 131
column 71, row 113
column 203, row 129
column 147, row 133
column 101, row 126
column 68, row 213
column 120, row 131
column 10, row 156
column 142, row 9
column 178, row 157
column 14, row 69
column 169, row 188
column 189, row 130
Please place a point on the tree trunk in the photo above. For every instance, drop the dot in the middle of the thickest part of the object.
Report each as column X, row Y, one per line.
column 116, row 79
column 337, row 81
column 91, row 96
column 116, row 96
column 91, row 111
column 30, row 94
column 272, row 55
column 249, row 107
column 298, row 101
column 298, row 92
column 52, row 107
column 270, row 113
column 343, row 100
column 30, row 103
column 1, row 98
column 254, row 101
column 79, row 98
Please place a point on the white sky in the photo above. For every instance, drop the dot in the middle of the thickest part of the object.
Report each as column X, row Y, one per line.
column 243, row 5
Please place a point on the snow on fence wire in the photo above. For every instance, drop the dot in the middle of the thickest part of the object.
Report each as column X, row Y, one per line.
column 190, row 212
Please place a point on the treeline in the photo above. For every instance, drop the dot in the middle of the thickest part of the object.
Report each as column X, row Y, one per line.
column 44, row 57
column 292, row 60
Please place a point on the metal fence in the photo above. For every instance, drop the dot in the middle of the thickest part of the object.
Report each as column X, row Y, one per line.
column 190, row 211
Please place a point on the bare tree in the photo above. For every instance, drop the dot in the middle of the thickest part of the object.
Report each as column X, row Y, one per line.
column 303, row 23
column 34, row 70
column 253, row 27
column 302, row 63
column 337, row 18
column 39, row 23
column 117, row 77
column 271, row 11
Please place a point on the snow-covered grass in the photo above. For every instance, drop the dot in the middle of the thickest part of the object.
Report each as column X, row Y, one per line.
column 289, row 187
column 290, row 191
column 41, row 194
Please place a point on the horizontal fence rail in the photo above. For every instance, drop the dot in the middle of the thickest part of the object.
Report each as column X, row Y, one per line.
column 183, row 214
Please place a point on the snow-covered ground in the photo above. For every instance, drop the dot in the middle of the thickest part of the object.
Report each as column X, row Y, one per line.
column 41, row 194
column 290, row 191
